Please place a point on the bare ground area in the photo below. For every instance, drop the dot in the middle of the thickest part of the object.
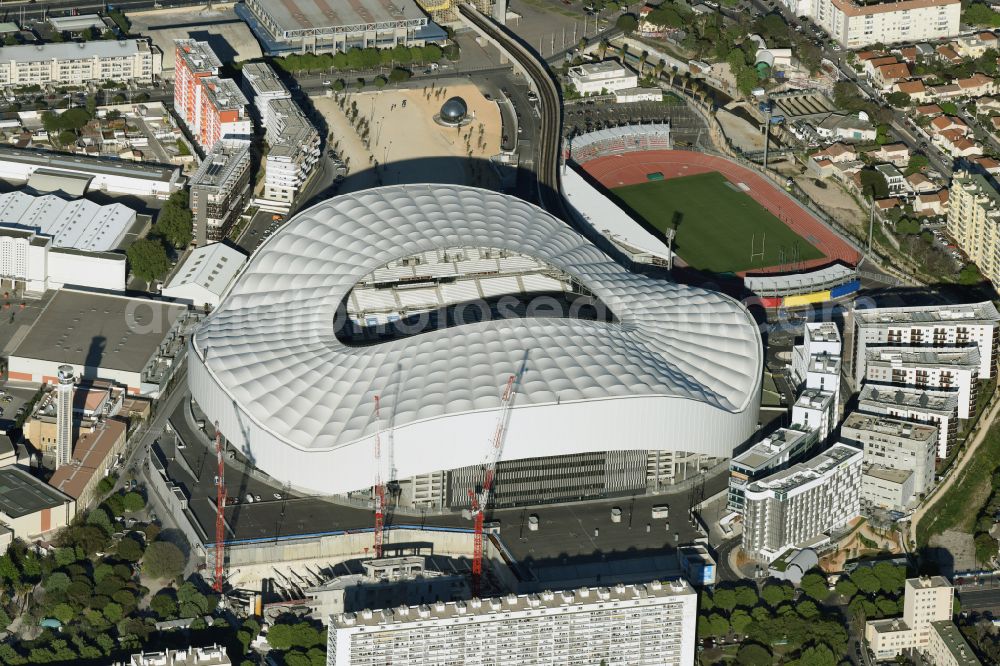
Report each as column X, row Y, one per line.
column 832, row 199
column 955, row 550
column 404, row 144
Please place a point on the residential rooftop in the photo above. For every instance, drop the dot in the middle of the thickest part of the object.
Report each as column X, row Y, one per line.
column 764, row 452
column 220, row 165
column 828, row 364
column 955, row 643
column 825, row 331
column 971, row 313
column 923, row 357
column 73, row 50
column 263, row 79
column 889, row 426
column 198, row 56
column 943, row 403
column 814, row 398
column 605, row 597
column 804, row 472
column 892, row 475
column 224, row 94
column 90, row 450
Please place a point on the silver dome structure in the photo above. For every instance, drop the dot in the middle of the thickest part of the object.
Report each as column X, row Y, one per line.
column 454, row 110
column 677, row 368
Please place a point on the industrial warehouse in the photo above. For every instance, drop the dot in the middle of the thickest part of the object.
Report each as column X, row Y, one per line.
column 291, row 372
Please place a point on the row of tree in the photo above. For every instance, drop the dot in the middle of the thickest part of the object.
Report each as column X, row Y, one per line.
column 148, row 256
column 358, row 58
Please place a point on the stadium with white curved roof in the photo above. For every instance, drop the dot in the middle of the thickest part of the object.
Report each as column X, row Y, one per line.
column 402, row 292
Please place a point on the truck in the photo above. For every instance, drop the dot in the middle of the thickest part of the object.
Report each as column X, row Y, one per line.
column 661, row 511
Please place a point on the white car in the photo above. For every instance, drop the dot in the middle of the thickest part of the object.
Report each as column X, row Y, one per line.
column 277, row 495
column 328, row 83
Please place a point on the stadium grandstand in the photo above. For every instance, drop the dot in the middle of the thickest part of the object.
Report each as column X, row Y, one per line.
column 657, row 369
column 805, row 288
column 619, row 140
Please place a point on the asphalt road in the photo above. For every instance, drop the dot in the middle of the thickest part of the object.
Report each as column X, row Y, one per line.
column 33, row 9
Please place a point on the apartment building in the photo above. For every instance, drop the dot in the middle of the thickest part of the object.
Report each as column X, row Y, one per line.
column 943, row 369
column 818, row 338
column 75, row 63
column 193, row 61
column 898, row 462
column 926, row 601
column 294, row 150
column 855, row 24
column 652, row 624
column 772, row 454
column 815, row 409
column 607, row 77
column 192, row 656
column 961, row 325
column 294, row 143
column 937, row 408
column 220, row 190
column 974, row 221
column 802, row 503
column 223, row 113
column 946, row 646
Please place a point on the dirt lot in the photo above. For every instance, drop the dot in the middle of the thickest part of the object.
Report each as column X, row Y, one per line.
column 402, row 134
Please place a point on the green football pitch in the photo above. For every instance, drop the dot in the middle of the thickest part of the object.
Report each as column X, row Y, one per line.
column 718, row 226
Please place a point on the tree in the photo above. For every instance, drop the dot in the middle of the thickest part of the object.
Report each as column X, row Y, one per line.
column 979, row 13
column 66, row 138
column 916, row 164
column 134, row 502
column 866, row 580
column 873, row 185
column 10, row 40
column 753, row 654
column 99, row 518
column 63, row 612
column 986, row 547
column 148, row 259
column 115, row 505
column 380, row 81
column 398, row 75
column 816, row 655
column 746, row 596
column 775, row 593
column 807, row 609
column 56, row 582
column 970, row 275
column 191, row 601
column 891, row 578
column 129, row 550
column 174, row 221
column 105, row 485
column 164, row 605
column 627, row 23
column 814, row 585
column 289, row 636
column 163, row 560
column 724, row 599
column 740, row 620
column 898, row 99
column 846, row 587
column 113, row 612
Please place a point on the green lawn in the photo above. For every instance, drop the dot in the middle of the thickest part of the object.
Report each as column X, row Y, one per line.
column 716, row 223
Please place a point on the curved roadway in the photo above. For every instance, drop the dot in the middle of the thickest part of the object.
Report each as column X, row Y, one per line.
column 549, row 106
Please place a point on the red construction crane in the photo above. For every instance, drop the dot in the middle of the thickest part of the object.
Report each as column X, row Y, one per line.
column 480, row 502
column 379, row 488
column 220, row 513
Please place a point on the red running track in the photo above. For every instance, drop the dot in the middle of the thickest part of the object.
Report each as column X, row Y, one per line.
column 632, row 168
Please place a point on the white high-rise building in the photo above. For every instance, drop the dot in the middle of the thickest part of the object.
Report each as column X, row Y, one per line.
column 64, row 416
column 926, row 601
column 652, row 624
column 937, row 368
column 803, row 502
column 857, row 24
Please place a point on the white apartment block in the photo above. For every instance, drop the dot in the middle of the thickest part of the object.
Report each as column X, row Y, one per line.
column 815, row 410
column 262, row 85
column 132, row 60
column 960, row 325
column 946, row 646
column 818, row 338
column 294, row 150
column 943, row 369
column 899, row 458
column 772, row 454
column 193, row 656
column 220, row 190
column 608, row 76
column 856, row 25
column 802, row 503
column 652, row 624
column 974, row 221
column 926, row 601
column 937, row 408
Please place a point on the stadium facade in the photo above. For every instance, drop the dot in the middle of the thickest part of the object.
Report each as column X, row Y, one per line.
column 431, row 297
